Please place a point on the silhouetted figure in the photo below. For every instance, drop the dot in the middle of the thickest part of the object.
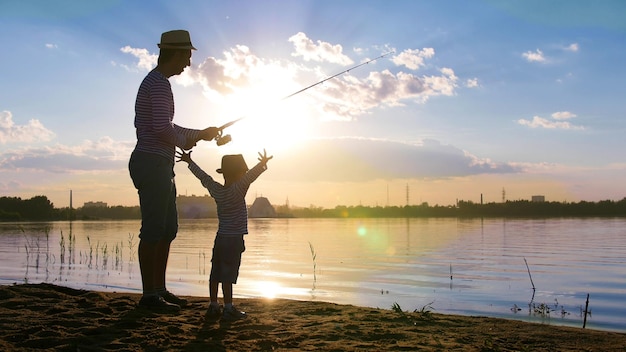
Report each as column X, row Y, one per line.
column 232, row 215
column 151, row 167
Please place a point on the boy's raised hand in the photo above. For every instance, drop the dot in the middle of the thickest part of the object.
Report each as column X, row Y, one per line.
column 263, row 158
column 183, row 156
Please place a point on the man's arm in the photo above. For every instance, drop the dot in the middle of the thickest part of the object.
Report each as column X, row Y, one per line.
column 192, row 136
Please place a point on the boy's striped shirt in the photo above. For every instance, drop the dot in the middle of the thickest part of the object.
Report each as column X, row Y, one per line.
column 232, row 211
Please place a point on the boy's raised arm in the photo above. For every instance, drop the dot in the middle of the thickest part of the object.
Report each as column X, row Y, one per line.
column 263, row 158
column 181, row 155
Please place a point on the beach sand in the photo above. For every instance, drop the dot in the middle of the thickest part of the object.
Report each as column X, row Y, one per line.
column 56, row 318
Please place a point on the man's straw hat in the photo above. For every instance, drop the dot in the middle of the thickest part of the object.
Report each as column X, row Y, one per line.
column 176, row 39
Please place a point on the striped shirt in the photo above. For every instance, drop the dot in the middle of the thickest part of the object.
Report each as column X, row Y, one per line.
column 232, row 211
column 154, row 112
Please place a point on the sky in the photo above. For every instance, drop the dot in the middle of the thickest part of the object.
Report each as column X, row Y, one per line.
column 473, row 100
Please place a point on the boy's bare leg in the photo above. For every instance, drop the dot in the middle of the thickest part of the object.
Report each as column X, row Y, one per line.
column 227, row 290
column 213, row 288
column 230, row 313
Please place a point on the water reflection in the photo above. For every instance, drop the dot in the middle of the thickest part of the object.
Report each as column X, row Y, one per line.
column 465, row 266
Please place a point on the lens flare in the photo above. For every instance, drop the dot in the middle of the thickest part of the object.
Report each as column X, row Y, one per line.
column 268, row 289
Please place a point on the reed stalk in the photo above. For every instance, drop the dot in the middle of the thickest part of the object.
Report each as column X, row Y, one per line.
column 62, row 245
column 313, row 256
column 586, row 311
column 531, row 278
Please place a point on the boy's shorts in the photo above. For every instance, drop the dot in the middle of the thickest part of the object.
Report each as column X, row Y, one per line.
column 153, row 176
column 226, row 259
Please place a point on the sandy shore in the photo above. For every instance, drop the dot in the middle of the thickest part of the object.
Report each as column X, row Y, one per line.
column 55, row 318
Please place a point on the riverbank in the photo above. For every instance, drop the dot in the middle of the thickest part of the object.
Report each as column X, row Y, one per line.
column 50, row 317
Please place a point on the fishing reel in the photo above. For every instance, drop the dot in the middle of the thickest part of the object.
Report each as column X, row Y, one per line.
column 223, row 139
column 220, row 139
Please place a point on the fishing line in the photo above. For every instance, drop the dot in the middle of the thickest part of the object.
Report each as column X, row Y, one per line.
column 338, row 74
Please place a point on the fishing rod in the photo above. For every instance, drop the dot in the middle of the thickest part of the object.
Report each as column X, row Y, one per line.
column 338, row 74
column 221, row 140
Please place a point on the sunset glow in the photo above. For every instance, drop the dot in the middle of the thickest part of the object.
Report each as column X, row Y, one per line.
column 502, row 103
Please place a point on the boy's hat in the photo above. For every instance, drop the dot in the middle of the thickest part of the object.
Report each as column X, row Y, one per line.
column 176, row 39
column 232, row 164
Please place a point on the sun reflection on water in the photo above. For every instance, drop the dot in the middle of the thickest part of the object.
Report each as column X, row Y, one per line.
column 268, row 289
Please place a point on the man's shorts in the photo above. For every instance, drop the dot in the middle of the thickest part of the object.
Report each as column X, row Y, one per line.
column 153, row 176
column 226, row 259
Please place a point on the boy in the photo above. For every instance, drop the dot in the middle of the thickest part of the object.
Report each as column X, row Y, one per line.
column 232, row 214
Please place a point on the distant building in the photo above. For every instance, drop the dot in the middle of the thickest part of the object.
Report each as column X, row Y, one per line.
column 195, row 207
column 94, row 205
column 201, row 207
column 261, row 208
column 538, row 199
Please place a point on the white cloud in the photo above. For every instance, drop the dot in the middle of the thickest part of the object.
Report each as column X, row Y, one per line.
column 240, row 70
column 322, row 51
column 346, row 99
column 572, row 47
column 243, row 74
column 336, row 160
column 146, row 62
column 472, row 83
column 413, row 59
column 34, row 131
column 440, row 85
column 243, row 79
column 540, row 122
column 51, row 46
column 536, row 56
column 360, row 159
column 90, row 156
column 563, row 115
column 557, row 121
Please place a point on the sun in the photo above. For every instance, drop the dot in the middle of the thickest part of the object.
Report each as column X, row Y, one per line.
column 265, row 122
column 268, row 289
column 264, row 119
column 273, row 131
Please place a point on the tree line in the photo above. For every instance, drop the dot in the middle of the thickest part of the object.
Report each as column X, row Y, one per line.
column 518, row 208
column 35, row 208
column 39, row 208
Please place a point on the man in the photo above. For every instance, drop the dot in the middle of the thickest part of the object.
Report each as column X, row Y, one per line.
column 151, row 167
